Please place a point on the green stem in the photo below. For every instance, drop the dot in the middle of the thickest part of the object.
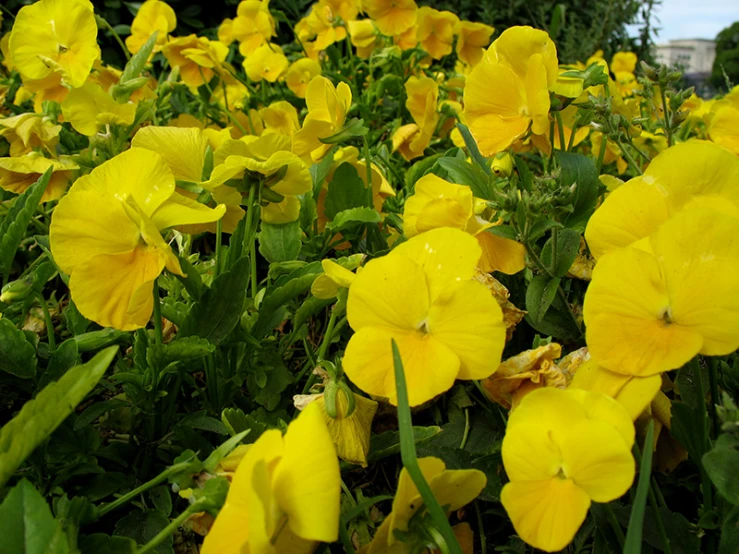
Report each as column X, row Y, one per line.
column 602, row 152
column 158, row 336
column 408, row 456
column 323, row 348
column 615, row 525
column 466, row 433
column 219, row 240
column 706, row 446
column 170, row 529
column 629, row 158
column 666, row 548
column 713, row 385
column 163, row 476
column 49, row 324
column 480, row 528
column 668, row 119
column 115, row 36
column 561, row 131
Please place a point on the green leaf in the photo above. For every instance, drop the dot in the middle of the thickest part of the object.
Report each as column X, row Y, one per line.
column 320, row 171
column 722, row 466
column 688, row 429
column 540, row 295
column 17, row 355
column 136, row 64
column 554, row 324
column 218, row 311
column 354, row 128
column 13, row 227
column 201, row 420
column 558, row 19
column 579, row 171
column 633, row 542
column 159, row 356
column 464, row 173
column 419, row 169
column 268, row 379
column 94, row 340
column 27, row 525
column 469, row 142
column 237, row 423
column 96, row 410
column 505, row 231
column 387, row 444
column 41, row 416
column 100, row 542
column 729, row 543
column 539, row 228
column 346, row 190
column 526, row 178
column 568, row 245
column 352, row 217
column 279, row 296
column 222, row 451
column 192, row 281
column 280, row 242
column 144, row 526
column 161, row 498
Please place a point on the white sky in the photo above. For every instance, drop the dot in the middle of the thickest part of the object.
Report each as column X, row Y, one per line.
column 694, row 18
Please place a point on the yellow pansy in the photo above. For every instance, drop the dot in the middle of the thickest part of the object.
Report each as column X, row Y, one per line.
column 27, row 132
column 280, row 117
column 422, row 98
column 153, row 16
column 723, row 128
column 633, row 392
column 89, row 109
column 563, row 449
column 569, row 117
column 253, row 25
column 519, row 375
column 285, row 494
column 105, row 233
column 453, row 489
column 299, row 74
column 435, row 31
column 333, row 278
column 19, row 173
column 231, row 93
column 407, row 39
column 48, row 88
column 55, row 36
column 509, row 89
column 198, row 58
column 652, row 308
column 325, row 24
column 651, row 143
column 612, row 154
column 472, row 40
column 364, row 36
column 686, row 174
column 7, row 60
column 438, row 203
column 226, row 32
column 327, row 109
column 392, row 17
column 267, row 62
column 423, row 295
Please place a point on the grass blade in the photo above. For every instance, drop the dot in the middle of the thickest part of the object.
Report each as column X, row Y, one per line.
column 636, row 520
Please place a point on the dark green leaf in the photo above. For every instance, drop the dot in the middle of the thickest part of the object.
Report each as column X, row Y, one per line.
column 346, row 190
column 222, row 451
column 539, row 228
column 688, row 429
column 540, row 295
column 161, row 498
column 558, row 19
column 579, row 171
column 722, row 466
column 526, row 178
column 388, row 443
column 26, row 523
column 144, row 526
column 14, row 225
column 218, row 311
column 469, row 142
column 352, row 217
column 418, row 170
column 505, row 231
column 237, row 422
column 729, row 543
column 95, row 411
column 99, row 542
column 280, row 242
column 464, row 173
column 201, row 420
column 182, row 349
column 39, row 417
column 192, row 281
column 568, row 245
column 277, row 297
column 17, row 355
column 136, row 64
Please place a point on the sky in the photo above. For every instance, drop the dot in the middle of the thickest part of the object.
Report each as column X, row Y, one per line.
column 694, row 18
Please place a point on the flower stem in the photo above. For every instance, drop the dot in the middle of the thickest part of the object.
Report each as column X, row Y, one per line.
column 219, row 240
column 169, row 529
column 158, row 336
column 108, row 26
column 49, row 324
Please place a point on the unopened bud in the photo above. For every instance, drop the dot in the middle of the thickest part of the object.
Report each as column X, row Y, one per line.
column 16, row 291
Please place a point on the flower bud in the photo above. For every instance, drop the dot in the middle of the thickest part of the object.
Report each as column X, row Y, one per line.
column 15, row 291
column 502, row 164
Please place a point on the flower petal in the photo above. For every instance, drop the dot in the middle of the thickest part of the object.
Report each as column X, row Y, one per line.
column 182, row 148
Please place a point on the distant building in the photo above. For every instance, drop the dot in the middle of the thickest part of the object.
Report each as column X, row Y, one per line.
column 693, row 56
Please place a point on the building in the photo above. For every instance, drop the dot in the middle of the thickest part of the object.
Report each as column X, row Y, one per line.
column 693, row 56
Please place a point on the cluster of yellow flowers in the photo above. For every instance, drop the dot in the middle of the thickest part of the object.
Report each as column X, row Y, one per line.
column 664, row 245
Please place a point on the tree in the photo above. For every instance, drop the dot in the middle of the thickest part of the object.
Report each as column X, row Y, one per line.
column 726, row 64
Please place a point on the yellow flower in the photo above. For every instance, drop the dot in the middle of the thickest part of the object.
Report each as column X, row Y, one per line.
column 435, row 31
column 153, row 16
column 633, row 392
column 105, row 233
column 562, row 450
column 453, row 489
column 27, row 132
column 423, row 295
column 686, row 174
column 437, row 203
column 89, row 108
column 512, row 316
column 253, row 25
column 612, row 154
column 266, row 62
column 623, row 62
column 285, row 494
column 652, row 308
column 569, row 116
column 651, row 143
column 422, row 98
column 326, row 24
column 231, row 93
column 509, row 89
column 327, row 109
column 392, row 17
column 364, row 36
column 333, row 278
column 55, row 36
column 518, row 376
column 350, row 432
column 723, row 128
column 226, row 32
column 280, row 117
column 299, row 74
column 472, row 40
column 48, row 88
column 198, row 58
column 407, row 39
column 19, row 173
